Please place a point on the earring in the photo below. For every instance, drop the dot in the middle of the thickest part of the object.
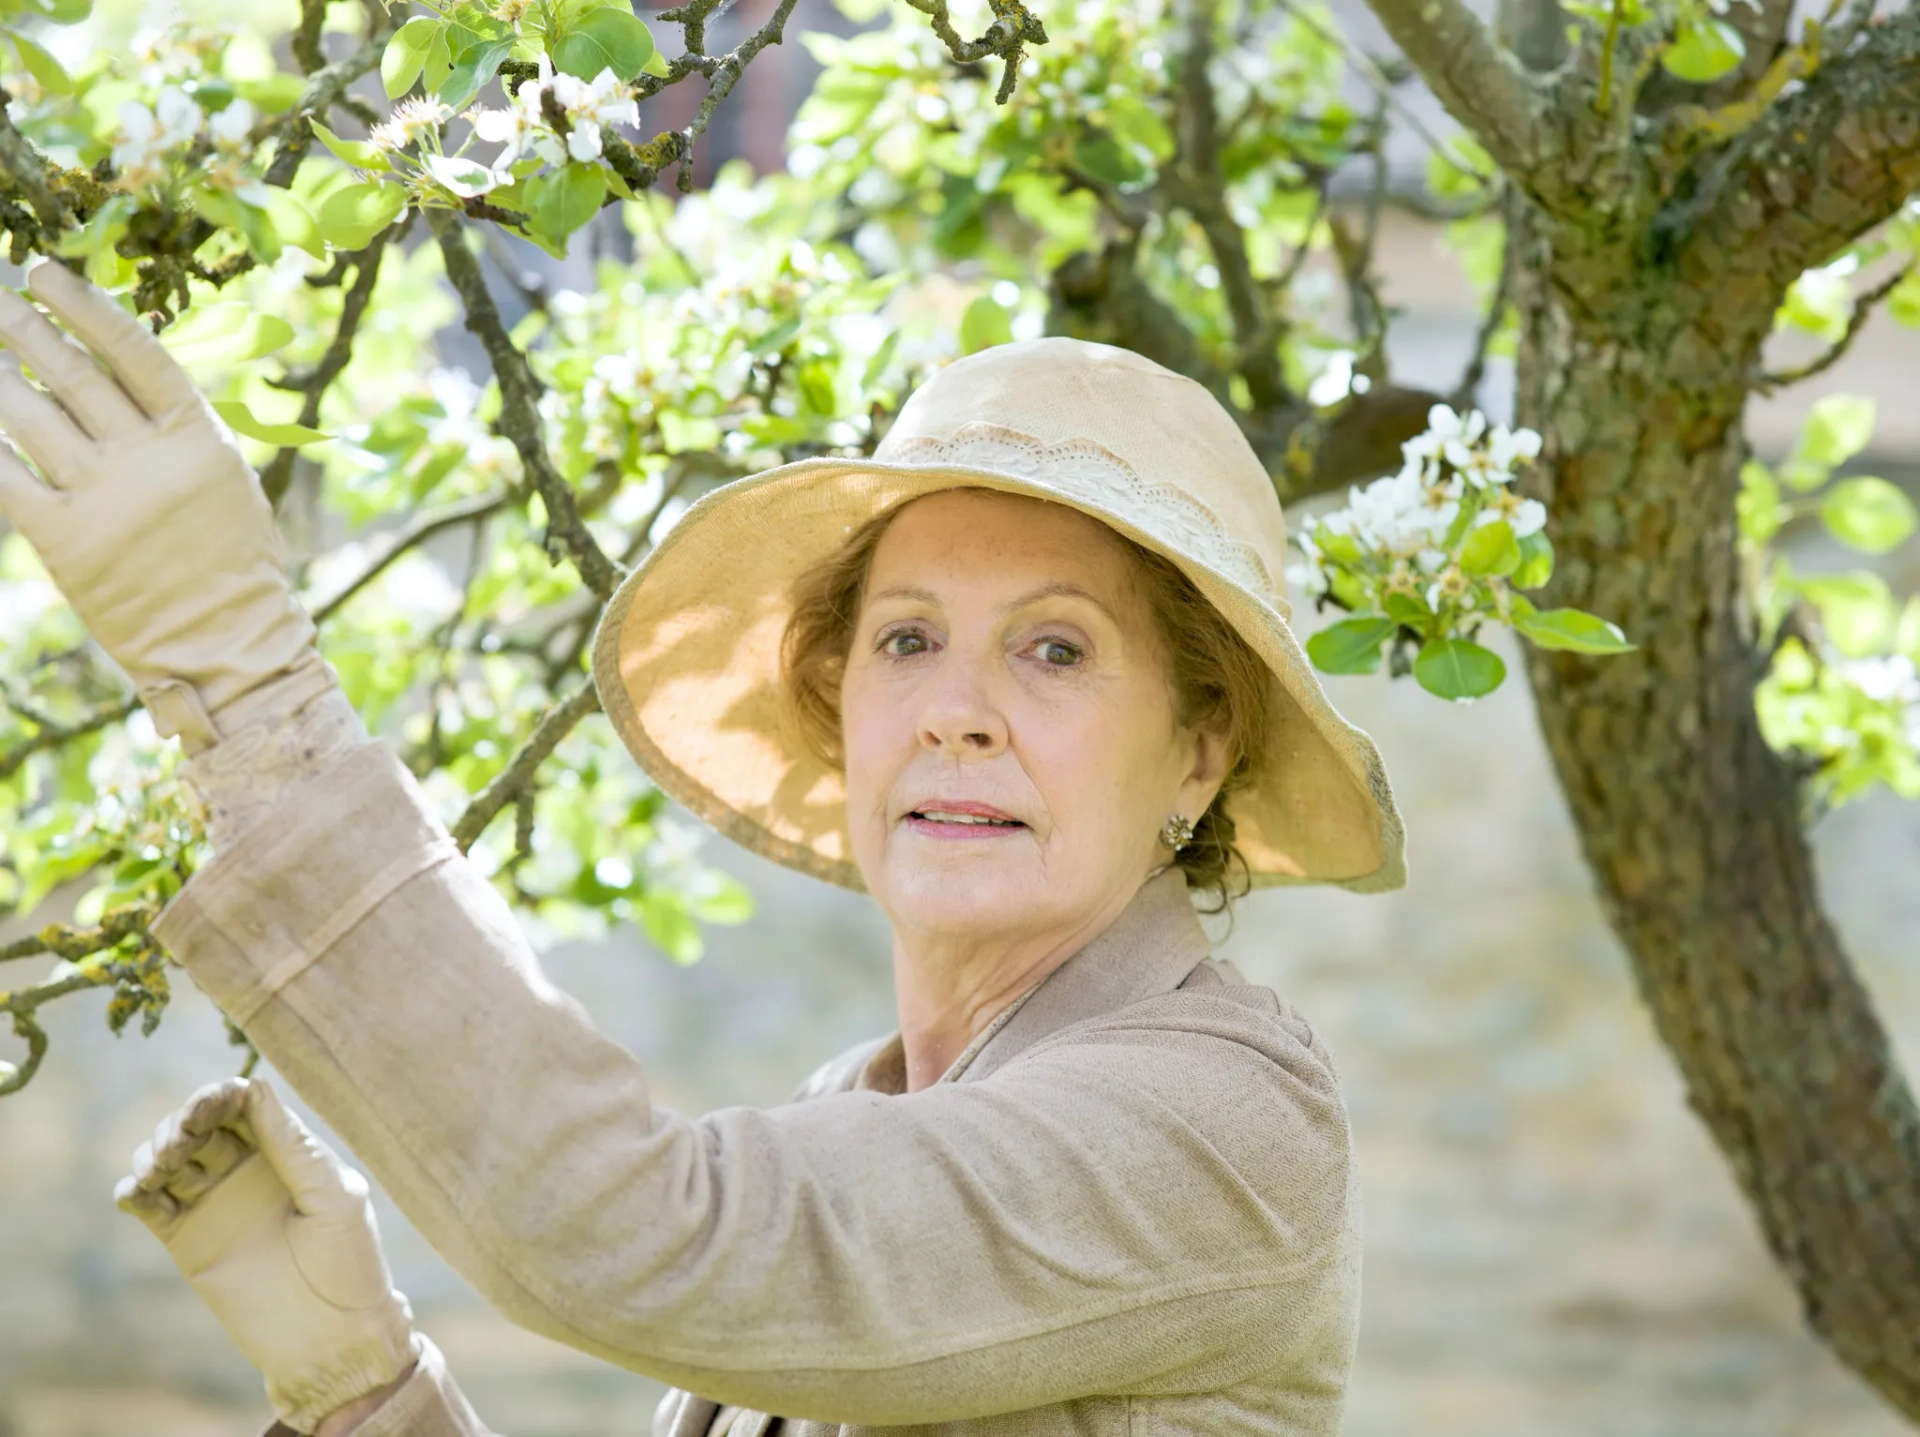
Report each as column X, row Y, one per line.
column 1177, row 832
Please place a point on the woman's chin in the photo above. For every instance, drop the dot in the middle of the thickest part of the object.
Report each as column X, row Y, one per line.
column 960, row 898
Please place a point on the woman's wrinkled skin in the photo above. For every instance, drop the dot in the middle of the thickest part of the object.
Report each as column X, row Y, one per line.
column 1005, row 658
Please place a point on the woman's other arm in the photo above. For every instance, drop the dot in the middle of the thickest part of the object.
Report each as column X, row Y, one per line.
column 278, row 1238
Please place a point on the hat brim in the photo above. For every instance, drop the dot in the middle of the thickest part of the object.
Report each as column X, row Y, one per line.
column 686, row 661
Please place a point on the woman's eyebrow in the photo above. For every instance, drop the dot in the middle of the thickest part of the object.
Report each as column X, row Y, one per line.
column 1057, row 589
column 1060, row 589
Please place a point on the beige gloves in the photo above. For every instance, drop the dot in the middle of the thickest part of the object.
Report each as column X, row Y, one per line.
column 145, row 513
column 277, row 1236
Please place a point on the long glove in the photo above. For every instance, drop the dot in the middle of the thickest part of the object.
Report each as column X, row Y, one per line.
column 277, row 1236
column 144, row 513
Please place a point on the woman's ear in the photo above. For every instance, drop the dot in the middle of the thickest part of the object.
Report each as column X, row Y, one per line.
column 1212, row 758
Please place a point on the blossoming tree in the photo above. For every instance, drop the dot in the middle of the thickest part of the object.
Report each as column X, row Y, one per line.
column 1644, row 190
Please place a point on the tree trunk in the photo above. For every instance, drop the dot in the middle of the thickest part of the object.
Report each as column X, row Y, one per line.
column 1691, row 825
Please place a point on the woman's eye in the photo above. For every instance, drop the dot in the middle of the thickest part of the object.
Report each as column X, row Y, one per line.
column 903, row 643
column 1058, row 653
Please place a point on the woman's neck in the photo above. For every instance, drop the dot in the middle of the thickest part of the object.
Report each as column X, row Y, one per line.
column 949, row 988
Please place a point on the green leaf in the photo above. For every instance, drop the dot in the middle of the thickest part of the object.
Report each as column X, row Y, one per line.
column 985, row 324
column 1458, row 669
column 406, row 53
column 1856, row 609
column 351, row 217
column 1706, row 48
column 439, row 60
column 41, row 65
column 1758, row 507
column 657, row 65
column 608, row 38
column 1105, row 158
column 218, row 335
column 671, row 928
column 1571, row 629
column 721, row 898
column 1904, row 303
column 1819, row 302
column 294, row 222
column 1836, row 428
column 472, row 69
column 1536, row 562
column 817, row 388
column 361, row 154
column 241, row 420
column 562, row 200
column 1460, row 169
column 1868, row 514
column 1408, row 609
column 1906, row 630
column 97, row 236
column 1491, row 549
column 251, row 223
column 1351, row 646
column 882, row 357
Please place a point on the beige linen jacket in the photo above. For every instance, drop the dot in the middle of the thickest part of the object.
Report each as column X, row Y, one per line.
column 1130, row 1207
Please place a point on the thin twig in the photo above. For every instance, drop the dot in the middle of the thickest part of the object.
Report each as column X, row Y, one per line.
column 1469, row 386
column 1862, row 311
column 52, row 736
column 554, row 726
column 420, row 528
column 277, row 476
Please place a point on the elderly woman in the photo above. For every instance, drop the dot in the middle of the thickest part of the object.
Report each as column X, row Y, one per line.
column 1025, row 677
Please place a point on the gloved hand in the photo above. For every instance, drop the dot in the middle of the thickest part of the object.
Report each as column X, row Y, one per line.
column 149, row 519
column 276, row 1235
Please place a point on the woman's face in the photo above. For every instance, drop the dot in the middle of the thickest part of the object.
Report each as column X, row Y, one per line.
column 1011, row 745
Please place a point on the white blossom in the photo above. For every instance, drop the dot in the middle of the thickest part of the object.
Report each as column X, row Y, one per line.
column 229, row 128
column 1523, row 516
column 148, row 135
column 589, row 106
column 1448, row 436
column 410, row 121
column 1507, row 447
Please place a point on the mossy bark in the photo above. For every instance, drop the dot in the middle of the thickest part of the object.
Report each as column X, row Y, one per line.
column 1692, row 826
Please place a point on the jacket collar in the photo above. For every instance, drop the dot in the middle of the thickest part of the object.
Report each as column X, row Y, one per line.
column 1155, row 943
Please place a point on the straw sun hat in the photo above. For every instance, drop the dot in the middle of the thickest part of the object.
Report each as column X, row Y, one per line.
column 687, row 651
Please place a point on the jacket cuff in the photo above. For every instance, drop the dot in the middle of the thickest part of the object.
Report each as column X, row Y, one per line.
column 260, row 914
column 427, row 1404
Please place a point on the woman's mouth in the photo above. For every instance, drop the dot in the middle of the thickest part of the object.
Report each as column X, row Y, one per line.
column 970, row 820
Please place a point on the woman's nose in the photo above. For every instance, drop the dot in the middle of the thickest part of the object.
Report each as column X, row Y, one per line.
column 960, row 717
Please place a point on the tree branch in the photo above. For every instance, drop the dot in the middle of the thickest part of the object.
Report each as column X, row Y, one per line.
column 1195, row 182
column 1013, row 27
column 1818, row 168
column 1479, row 82
column 554, row 726
column 519, row 419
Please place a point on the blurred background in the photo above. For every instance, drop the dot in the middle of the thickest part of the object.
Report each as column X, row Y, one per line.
column 1553, row 1244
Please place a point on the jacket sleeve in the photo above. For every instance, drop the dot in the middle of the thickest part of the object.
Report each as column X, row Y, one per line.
column 427, row 1404
column 1159, row 1203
